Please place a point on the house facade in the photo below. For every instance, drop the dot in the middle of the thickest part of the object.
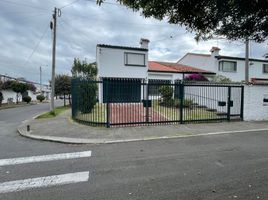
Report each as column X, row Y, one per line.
column 129, row 66
column 228, row 66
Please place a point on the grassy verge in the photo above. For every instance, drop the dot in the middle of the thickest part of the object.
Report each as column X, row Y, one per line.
column 56, row 112
column 98, row 114
column 20, row 104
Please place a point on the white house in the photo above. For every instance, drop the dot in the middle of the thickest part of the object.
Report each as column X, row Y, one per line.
column 123, row 65
column 228, row 66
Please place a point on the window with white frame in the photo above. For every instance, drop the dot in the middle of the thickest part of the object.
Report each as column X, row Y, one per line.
column 265, row 68
column 135, row 59
column 227, row 66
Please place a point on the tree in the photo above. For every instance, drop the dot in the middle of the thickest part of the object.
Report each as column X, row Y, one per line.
column 84, row 69
column 19, row 88
column 234, row 19
column 63, row 86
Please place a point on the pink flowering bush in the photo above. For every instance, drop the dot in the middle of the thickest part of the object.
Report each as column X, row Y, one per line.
column 196, row 77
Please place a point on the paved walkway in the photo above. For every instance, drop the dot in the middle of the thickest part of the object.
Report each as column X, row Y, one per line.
column 63, row 129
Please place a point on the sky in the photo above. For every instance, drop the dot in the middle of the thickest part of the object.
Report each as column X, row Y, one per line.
column 26, row 38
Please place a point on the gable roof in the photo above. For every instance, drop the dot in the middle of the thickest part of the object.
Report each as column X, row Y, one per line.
column 169, row 67
column 121, row 47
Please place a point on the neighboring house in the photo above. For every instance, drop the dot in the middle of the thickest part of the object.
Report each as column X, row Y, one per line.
column 121, row 65
column 231, row 67
column 10, row 96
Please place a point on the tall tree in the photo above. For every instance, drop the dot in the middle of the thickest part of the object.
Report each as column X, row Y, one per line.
column 84, row 69
column 63, row 86
column 234, row 19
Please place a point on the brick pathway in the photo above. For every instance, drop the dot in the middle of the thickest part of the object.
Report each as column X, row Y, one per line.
column 131, row 113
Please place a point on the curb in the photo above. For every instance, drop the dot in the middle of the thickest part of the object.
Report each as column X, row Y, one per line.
column 67, row 140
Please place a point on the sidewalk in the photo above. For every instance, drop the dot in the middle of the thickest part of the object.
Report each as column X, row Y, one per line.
column 63, row 129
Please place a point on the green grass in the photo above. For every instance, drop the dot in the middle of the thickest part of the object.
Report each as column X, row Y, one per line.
column 194, row 113
column 56, row 112
column 98, row 114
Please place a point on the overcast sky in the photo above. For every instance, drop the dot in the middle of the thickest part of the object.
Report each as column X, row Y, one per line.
column 26, row 39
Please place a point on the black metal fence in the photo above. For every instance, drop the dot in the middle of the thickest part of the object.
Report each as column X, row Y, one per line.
column 124, row 102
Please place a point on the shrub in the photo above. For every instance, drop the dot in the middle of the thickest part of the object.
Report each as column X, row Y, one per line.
column 221, row 79
column 1, row 98
column 27, row 99
column 87, row 96
column 196, row 77
column 166, row 92
column 187, row 103
column 40, row 97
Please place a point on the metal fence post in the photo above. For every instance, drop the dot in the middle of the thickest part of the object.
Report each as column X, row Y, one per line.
column 181, row 86
column 106, row 84
column 242, row 103
column 229, row 104
column 73, row 89
column 147, row 103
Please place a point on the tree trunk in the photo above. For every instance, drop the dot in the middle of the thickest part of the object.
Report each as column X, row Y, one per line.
column 64, row 99
column 70, row 103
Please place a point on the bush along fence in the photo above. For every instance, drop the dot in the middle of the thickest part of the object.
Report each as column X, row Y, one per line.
column 126, row 102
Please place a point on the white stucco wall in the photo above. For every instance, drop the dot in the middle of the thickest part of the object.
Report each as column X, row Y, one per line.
column 254, row 107
column 13, row 95
column 164, row 76
column 111, row 63
column 211, row 63
column 198, row 61
column 9, row 94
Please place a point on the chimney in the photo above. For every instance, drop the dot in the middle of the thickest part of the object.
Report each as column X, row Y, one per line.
column 215, row 51
column 144, row 43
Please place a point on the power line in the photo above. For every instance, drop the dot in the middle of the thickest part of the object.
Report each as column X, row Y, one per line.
column 37, row 45
column 22, row 4
column 69, row 4
column 105, row 2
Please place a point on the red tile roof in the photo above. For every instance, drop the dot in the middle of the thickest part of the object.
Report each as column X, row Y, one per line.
column 155, row 66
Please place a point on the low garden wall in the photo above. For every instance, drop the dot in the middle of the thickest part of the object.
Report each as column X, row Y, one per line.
column 256, row 102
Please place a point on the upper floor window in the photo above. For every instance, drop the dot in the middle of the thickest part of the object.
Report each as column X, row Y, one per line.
column 265, row 68
column 227, row 66
column 134, row 59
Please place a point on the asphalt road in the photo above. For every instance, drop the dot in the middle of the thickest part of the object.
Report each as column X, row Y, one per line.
column 227, row 166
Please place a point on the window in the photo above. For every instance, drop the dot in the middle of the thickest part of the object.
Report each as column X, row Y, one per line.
column 265, row 68
column 135, row 59
column 227, row 66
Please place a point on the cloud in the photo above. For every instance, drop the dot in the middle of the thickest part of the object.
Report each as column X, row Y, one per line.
column 82, row 25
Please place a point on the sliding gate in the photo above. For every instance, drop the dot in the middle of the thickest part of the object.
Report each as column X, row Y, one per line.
column 132, row 102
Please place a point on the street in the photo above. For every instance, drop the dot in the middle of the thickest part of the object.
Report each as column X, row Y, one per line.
column 226, row 166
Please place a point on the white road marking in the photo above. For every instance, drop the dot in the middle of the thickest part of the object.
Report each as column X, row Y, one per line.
column 62, row 179
column 44, row 158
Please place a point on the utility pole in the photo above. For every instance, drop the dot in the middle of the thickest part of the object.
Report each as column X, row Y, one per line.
column 40, row 78
column 247, row 62
column 53, row 26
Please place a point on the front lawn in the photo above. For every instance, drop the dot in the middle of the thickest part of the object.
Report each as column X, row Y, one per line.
column 189, row 113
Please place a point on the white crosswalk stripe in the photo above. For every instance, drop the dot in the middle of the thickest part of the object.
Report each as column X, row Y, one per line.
column 44, row 158
column 46, row 181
